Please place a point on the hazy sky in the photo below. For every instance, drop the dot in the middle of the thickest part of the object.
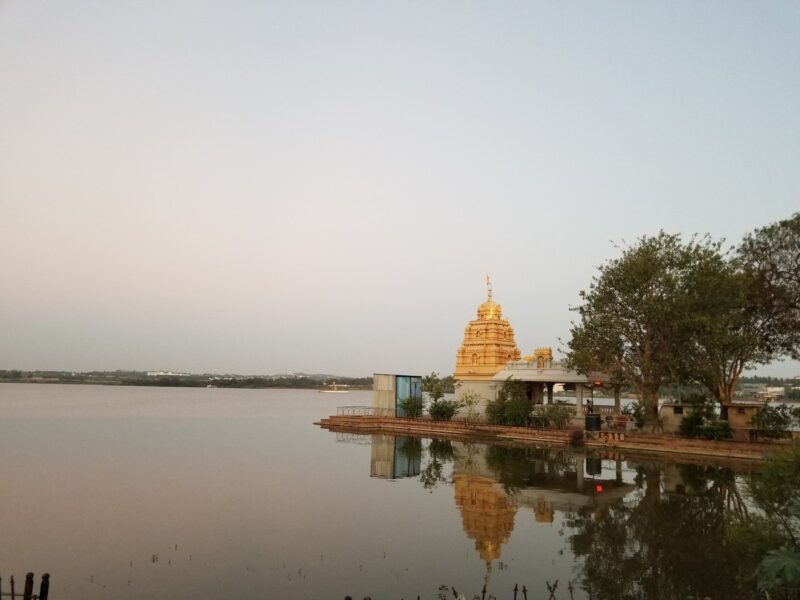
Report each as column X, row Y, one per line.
column 259, row 187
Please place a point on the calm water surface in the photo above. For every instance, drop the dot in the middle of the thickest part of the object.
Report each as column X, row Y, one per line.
column 126, row 492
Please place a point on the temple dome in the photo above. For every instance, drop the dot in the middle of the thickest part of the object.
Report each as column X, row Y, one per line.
column 490, row 310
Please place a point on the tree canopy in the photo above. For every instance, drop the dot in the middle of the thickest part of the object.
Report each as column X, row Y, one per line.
column 674, row 312
column 634, row 323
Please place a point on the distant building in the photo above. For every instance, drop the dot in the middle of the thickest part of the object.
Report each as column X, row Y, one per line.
column 772, row 393
column 167, row 374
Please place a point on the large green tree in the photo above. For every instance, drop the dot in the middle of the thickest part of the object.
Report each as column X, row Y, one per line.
column 745, row 310
column 634, row 321
column 726, row 333
column 770, row 257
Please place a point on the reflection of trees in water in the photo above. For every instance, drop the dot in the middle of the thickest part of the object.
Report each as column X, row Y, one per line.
column 685, row 531
column 665, row 545
column 719, row 484
column 518, row 468
column 440, row 452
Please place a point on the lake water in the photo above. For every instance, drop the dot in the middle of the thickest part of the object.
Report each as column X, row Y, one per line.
column 131, row 492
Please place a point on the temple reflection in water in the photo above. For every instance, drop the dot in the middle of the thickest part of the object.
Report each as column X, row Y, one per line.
column 493, row 483
column 636, row 527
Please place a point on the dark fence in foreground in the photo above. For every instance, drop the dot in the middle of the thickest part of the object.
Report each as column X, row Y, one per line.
column 518, row 593
column 27, row 589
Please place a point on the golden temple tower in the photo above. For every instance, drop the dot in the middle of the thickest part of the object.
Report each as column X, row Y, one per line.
column 488, row 343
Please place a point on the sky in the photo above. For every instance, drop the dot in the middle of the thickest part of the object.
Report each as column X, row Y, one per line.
column 267, row 187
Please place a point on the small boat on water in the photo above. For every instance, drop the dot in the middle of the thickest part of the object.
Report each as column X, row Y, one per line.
column 334, row 389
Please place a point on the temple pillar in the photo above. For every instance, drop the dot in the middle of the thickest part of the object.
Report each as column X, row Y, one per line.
column 579, row 466
column 618, row 472
column 538, row 393
column 579, row 398
column 617, row 403
column 550, row 387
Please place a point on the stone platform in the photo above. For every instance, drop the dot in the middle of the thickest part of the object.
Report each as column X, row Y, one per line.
column 630, row 441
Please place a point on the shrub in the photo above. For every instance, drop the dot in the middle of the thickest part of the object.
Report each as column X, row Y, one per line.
column 470, row 400
column 443, row 410
column 717, row 430
column 773, row 421
column 637, row 412
column 702, row 422
column 411, row 408
column 779, row 571
column 512, row 405
column 692, row 424
column 496, row 411
column 557, row 415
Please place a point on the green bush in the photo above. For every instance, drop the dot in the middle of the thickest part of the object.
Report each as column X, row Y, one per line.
column 512, row 405
column 496, row 411
column 637, row 412
column 773, row 421
column 558, row 415
column 443, row 410
column 702, row 422
column 692, row 424
column 717, row 430
column 411, row 407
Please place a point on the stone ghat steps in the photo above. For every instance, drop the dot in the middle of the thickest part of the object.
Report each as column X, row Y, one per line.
column 634, row 441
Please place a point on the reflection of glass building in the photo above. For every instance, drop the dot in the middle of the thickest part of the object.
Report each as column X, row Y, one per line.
column 388, row 391
column 395, row 457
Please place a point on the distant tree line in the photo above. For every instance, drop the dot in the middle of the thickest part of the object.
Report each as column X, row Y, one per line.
column 136, row 378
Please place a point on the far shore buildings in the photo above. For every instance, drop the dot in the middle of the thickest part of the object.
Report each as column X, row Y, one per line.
column 489, row 355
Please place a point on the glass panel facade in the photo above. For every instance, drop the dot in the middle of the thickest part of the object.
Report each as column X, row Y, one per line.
column 406, row 387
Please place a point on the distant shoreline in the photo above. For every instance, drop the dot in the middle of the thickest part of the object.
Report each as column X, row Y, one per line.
column 191, row 381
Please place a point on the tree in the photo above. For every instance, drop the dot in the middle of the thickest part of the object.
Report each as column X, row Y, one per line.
column 470, row 400
column 439, row 409
column 745, row 310
column 433, row 386
column 449, row 384
column 726, row 332
column 774, row 421
column 633, row 323
column 770, row 256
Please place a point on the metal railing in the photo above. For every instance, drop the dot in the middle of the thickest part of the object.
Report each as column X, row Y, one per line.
column 364, row 411
column 601, row 409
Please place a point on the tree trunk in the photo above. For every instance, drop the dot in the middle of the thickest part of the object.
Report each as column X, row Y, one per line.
column 650, row 402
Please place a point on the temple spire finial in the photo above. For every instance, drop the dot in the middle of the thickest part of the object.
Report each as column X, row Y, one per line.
column 489, row 286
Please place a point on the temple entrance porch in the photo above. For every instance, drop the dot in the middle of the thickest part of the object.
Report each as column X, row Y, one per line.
column 541, row 381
